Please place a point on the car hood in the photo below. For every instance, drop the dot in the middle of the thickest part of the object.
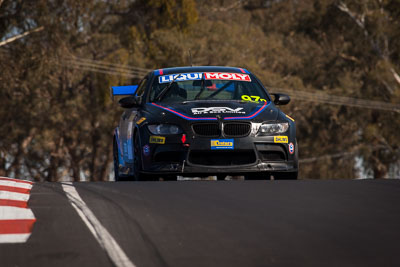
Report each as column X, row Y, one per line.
column 214, row 110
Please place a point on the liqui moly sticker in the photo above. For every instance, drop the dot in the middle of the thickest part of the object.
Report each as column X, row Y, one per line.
column 180, row 77
column 291, row 148
column 227, row 76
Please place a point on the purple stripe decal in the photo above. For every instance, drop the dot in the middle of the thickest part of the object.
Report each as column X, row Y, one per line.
column 251, row 116
column 182, row 115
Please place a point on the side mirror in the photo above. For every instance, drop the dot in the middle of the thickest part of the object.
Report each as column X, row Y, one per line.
column 130, row 101
column 281, row 99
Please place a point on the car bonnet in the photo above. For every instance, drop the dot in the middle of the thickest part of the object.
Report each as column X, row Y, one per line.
column 214, row 110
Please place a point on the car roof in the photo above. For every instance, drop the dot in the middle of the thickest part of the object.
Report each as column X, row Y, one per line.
column 200, row 69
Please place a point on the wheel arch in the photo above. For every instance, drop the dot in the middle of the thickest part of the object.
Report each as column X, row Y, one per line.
column 118, row 143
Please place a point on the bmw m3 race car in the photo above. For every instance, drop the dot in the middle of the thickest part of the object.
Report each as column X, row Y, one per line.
column 203, row 121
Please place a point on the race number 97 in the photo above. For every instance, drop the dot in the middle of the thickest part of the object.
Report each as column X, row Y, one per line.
column 252, row 98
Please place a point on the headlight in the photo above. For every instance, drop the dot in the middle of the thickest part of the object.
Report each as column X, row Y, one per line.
column 164, row 129
column 273, row 128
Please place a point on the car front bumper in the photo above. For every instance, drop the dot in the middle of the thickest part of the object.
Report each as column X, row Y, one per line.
column 196, row 158
column 200, row 170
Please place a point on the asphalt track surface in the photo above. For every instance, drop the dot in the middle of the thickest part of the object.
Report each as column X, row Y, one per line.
column 218, row 223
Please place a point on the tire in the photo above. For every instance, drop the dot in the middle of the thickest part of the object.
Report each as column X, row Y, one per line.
column 116, row 161
column 257, row 176
column 290, row 175
column 285, row 175
column 117, row 176
column 137, row 159
column 168, row 178
column 221, row 177
column 296, row 155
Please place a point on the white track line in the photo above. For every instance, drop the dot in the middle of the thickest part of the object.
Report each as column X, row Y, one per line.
column 15, row 184
column 14, row 213
column 14, row 196
column 114, row 251
column 14, row 238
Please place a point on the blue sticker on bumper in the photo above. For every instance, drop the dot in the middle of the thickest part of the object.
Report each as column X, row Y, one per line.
column 222, row 144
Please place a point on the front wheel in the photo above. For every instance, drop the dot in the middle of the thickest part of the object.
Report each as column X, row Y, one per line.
column 116, row 162
column 221, row 177
column 257, row 176
column 170, row 178
column 137, row 160
column 117, row 176
column 285, row 175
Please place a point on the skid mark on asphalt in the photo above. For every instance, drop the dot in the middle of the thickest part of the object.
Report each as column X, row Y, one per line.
column 16, row 219
column 106, row 241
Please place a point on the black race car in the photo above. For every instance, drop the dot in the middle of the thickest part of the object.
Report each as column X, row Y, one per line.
column 203, row 121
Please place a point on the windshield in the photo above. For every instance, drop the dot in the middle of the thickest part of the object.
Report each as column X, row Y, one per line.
column 183, row 87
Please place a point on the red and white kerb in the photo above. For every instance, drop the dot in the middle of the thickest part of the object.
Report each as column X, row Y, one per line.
column 16, row 219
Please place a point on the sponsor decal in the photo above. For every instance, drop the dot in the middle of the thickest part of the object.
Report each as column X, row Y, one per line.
column 157, row 139
column 253, row 98
column 290, row 118
column 221, row 144
column 291, row 148
column 227, row 76
column 281, row 139
column 217, row 110
column 139, row 121
column 146, row 150
column 182, row 77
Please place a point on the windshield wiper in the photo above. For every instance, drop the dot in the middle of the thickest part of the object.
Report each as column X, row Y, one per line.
column 219, row 90
column 164, row 91
column 201, row 89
